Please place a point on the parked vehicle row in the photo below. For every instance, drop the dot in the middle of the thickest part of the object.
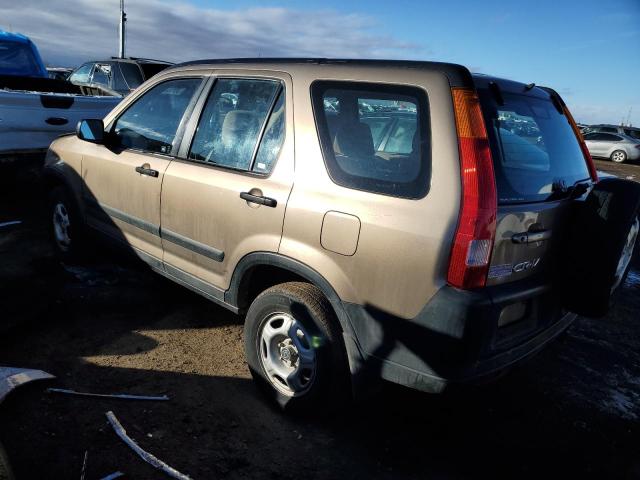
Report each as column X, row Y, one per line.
column 614, row 142
column 617, row 147
column 119, row 76
column 35, row 109
column 405, row 221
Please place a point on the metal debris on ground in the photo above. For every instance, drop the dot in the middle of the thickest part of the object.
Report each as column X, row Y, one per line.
column 113, row 476
column 121, row 396
column 83, row 472
column 13, row 222
column 146, row 456
column 11, row 378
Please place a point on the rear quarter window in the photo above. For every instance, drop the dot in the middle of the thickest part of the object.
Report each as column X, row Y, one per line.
column 374, row 137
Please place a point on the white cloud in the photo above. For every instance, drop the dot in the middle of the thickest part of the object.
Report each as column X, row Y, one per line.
column 73, row 31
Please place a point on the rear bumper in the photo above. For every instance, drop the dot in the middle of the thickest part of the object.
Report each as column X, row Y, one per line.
column 459, row 336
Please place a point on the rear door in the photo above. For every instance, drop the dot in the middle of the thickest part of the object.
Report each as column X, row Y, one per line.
column 537, row 159
column 226, row 195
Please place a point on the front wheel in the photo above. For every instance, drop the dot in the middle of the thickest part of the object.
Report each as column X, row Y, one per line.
column 618, row 156
column 66, row 224
column 294, row 348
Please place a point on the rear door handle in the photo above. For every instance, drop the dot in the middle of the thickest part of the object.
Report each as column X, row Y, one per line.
column 146, row 170
column 531, row 237
column 259, row 199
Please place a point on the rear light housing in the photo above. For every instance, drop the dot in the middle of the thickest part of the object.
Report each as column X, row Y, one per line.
column 474, row 237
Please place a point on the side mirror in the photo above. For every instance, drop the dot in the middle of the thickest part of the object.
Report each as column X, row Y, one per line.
column 91, row 130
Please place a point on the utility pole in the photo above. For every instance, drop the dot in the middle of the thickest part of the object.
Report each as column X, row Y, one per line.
column 123, row 19
column 629, row 116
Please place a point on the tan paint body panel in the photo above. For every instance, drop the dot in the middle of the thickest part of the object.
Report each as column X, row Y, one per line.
column 202, row 202
column 403, row 245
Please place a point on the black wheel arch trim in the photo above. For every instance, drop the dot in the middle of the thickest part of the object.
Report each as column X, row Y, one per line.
column 360, row 385
column 54, row 177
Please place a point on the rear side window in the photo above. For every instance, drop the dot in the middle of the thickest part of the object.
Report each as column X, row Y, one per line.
column 151, row 123
column 102, row 74
column 374, row 137
column 151, row 69
column 237, row 113
column 132, row 74
column 533, row 147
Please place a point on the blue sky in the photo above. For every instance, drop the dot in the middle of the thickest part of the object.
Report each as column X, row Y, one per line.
column 588, row 50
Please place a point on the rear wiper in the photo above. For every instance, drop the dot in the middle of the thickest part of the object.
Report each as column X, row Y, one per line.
column 560, row 190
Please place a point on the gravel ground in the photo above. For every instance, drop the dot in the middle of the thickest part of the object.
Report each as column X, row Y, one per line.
column 110, row 326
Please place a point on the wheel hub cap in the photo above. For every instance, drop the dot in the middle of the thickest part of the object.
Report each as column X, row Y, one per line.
column 61, row 224
column 286, row 354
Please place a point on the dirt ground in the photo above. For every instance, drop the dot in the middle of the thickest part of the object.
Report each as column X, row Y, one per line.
column 110, row 326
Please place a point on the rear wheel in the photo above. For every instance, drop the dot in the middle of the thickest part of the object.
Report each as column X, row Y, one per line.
column 294, row 348
column 618, row 156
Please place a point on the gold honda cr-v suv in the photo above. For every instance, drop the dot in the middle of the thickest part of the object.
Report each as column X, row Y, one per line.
column 369, row 219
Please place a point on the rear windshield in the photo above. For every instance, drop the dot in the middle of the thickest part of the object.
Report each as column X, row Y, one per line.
column 17, row 59
column 533, row 147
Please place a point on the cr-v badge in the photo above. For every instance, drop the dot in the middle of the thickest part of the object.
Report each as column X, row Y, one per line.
column 504, row 270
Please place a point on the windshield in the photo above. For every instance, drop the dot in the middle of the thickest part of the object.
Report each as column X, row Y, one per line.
column 17, row 59
column 533, row 147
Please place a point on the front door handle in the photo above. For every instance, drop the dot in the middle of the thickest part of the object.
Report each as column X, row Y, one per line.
column 147, row 170
column 531, row 237
column 259, row 199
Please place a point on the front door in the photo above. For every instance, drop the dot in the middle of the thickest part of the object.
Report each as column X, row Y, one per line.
column 227, row 196
column 123, row 179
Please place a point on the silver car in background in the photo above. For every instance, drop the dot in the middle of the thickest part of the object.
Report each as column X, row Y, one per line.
column 617, row 147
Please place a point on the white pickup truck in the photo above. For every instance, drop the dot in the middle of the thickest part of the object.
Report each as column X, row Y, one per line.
column 34, row 109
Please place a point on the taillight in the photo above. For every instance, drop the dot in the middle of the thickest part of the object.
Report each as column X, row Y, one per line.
column 583, row 146
column 475, row 234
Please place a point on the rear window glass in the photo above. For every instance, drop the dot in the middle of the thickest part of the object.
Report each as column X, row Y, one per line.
column 151, row 69
column 17, row 59
column 533, row 147
column 374, row 137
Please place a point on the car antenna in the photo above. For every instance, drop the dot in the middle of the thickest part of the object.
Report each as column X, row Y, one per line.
column 529, row 86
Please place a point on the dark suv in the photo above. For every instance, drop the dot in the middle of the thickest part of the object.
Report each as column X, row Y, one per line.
column 117, row 76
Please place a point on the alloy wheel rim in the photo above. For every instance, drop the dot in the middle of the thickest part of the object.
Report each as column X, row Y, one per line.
column 61, row 226
column 627, row 254
column 286, row 354
column 618, row 157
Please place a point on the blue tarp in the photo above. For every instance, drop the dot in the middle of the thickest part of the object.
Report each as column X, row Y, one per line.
column 19, row 56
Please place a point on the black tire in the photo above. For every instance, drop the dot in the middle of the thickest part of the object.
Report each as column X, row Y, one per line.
column 5, row 469
column 594, row 245
column 618, row 156
column 330, row 385
column 73, row 249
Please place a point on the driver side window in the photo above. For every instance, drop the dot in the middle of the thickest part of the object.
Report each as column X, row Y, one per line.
column 151, row 123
